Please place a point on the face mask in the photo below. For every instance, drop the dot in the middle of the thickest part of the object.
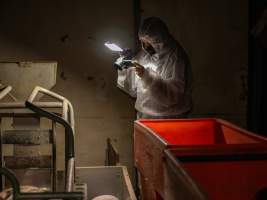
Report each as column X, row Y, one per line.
column 148, row 48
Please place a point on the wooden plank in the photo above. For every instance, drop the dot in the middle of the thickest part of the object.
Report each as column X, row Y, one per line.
column 112, row 155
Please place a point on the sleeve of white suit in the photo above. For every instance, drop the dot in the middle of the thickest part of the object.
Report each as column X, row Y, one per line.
column 127, row 81
column 169, row 85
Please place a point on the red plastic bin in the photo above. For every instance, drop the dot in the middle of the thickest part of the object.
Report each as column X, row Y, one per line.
column 152, row 137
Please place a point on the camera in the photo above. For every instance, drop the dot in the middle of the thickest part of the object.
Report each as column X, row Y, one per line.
column 123, row 63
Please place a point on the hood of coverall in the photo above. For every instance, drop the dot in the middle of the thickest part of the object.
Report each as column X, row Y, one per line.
column 158, row 34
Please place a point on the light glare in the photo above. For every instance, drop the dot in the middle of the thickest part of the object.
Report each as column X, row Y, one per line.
column 113, row 47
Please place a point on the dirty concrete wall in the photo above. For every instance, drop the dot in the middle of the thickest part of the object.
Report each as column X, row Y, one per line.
column 72, row 33
column 215, row 35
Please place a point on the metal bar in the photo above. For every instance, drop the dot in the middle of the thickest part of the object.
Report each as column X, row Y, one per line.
column 13, row 181
column 14, row 105
column 38, row 89
column 54, row 157
column 70, row 175
column 72, row 122
column 54, row 95
column 55, row 195
column 4, row 92
column 137, row 19
column 16, row 113
column 1, row 159
column 66, row 160
column 65, row 110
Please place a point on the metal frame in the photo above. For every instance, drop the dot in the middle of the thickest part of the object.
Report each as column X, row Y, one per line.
column 69, row 142
column 6, row 91
column 67, row 112
column 65, row 104
column 67, row 120
column 54, row 159
column 20, row 111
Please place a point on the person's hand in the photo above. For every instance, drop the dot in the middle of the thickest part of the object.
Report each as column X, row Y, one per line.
column 140, row 70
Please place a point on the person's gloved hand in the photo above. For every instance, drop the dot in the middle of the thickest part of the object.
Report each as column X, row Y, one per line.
column 140, row 69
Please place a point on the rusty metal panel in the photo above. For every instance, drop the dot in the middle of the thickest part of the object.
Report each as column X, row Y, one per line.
column 36, row 150
column 22, row 150
column 22, row 162
column 27, row 137
column 24, row 76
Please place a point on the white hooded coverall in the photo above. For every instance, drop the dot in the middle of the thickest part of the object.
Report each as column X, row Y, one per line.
column 164, row 91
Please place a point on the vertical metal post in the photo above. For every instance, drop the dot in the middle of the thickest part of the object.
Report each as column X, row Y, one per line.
column 256, row 106
column 54, row 157
column 137, row 20
column 1, row 156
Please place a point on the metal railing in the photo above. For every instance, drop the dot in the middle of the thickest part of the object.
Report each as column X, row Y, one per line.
column 67, row 120
column 67, row 112
column 5, row 92
column 69, row 142
column 65, row 104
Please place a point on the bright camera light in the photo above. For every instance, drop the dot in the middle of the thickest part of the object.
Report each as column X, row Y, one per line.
column 113, row 47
